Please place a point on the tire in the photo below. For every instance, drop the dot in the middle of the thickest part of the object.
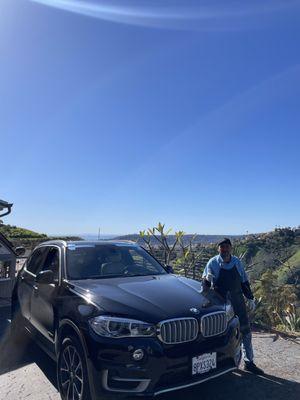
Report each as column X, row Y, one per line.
column 72, row 375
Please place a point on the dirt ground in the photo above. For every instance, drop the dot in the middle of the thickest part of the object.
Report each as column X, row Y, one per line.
column 30, row 374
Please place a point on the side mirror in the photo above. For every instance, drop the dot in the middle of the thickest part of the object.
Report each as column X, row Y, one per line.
column 169, row 269
column 20, row 251
column 45, row 277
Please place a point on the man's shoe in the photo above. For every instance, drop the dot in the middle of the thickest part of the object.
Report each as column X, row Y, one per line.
column 251, row 367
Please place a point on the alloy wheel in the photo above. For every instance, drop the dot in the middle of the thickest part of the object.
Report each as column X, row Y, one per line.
column 71, row 374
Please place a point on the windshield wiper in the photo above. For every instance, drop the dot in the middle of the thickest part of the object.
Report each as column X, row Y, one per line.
column 117, row 276
column 154, row 273
column 102, row 276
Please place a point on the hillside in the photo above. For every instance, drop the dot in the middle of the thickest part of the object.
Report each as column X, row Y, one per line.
column 278, row 250
column 14, row 232
column 27, row 238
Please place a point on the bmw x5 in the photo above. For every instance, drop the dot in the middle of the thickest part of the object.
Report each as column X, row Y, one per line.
column 117, row 322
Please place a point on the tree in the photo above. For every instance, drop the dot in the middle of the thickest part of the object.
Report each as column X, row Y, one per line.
column 161, row 238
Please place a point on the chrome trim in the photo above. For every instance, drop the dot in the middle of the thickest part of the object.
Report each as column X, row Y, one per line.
column 141, row 387
column 213, row 324
column 28, row 272
column 129, row 380
column 194, row 383
column 185, row 327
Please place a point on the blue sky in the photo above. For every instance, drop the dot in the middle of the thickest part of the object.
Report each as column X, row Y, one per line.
column 120, row 114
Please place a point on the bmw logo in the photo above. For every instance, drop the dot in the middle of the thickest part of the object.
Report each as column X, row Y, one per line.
column 194, row 310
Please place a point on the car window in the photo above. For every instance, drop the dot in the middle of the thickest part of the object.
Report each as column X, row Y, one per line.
column 101, row 261
column 36, row 260
column 52, row 262
column 140, row 261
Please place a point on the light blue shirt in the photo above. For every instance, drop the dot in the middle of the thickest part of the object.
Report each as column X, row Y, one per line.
column 215, row 264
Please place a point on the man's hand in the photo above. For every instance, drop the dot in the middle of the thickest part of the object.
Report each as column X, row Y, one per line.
column 210, row 278
column 252, row 304
column 205, row 286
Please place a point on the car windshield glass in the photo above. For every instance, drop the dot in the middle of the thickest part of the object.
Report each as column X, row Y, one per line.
column 96, row 261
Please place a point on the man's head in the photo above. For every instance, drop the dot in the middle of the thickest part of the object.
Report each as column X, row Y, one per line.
column 224, row 247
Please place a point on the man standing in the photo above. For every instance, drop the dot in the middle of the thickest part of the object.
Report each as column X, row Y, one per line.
column 226, row 275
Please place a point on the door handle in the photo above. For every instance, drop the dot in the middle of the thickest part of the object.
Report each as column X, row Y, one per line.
column 35, row 288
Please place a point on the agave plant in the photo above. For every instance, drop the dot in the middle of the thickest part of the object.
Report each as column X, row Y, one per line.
column 292, row 320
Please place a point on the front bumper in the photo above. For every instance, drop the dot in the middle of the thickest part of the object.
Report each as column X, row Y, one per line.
column 164, row 367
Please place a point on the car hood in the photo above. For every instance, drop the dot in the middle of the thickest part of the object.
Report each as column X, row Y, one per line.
column 148, row 298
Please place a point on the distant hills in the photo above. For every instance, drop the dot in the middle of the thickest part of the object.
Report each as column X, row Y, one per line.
column 25, row 237
column 92, row 236
column 199, row 239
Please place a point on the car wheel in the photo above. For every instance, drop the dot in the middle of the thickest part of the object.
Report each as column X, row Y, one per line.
column 72, row 376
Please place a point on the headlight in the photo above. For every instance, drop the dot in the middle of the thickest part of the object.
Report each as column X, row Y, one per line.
column 115, row 327
column 229, row 311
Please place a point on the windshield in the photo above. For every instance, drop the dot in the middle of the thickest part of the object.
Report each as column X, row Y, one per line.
column 98, row 261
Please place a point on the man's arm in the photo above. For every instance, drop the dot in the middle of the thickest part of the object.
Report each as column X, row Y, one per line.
column 246, row 288
column 207, row 276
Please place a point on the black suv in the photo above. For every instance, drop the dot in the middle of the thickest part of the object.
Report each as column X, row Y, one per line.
column 118, row 322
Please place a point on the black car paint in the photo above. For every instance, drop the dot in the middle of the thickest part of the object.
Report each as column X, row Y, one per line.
column 50, row 308
column 147, row 298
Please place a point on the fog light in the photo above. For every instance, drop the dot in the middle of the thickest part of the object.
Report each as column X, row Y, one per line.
column 138, row 354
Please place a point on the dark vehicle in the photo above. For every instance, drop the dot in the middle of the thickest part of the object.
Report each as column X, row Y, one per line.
column 118, row 323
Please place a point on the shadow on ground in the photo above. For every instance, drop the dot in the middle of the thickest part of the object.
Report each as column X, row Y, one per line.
column 237, row 385
column 240, row 385
column 17, row 353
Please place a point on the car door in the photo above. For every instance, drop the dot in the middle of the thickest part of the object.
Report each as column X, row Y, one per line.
column 44, row 295
column 26, row 280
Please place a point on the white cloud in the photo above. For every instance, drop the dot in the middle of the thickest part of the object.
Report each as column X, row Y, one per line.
column 186, row 15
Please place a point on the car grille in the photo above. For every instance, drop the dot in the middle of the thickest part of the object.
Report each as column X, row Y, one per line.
column 213, row 324
column 178, row 330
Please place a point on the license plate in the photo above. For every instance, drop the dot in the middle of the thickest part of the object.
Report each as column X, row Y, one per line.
column 204, row 363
